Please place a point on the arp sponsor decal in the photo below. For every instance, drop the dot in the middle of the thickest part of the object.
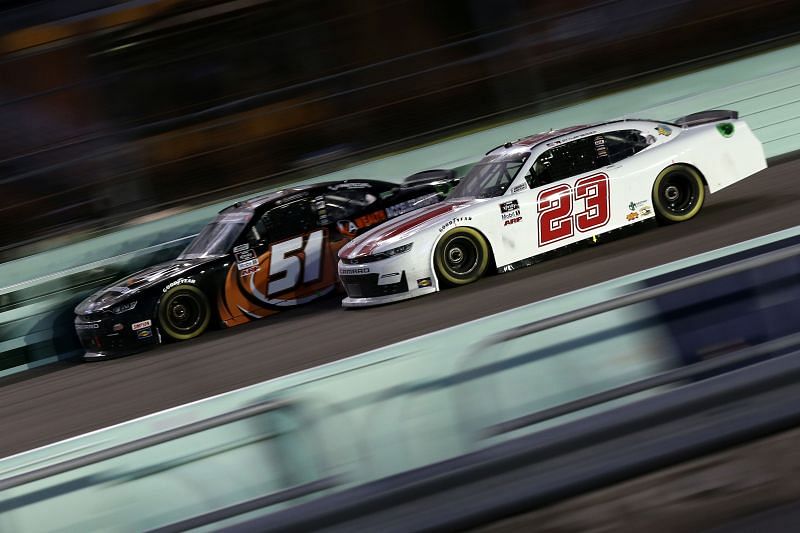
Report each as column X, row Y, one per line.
column 136, row 326
column 424, row 282
column 666, row 131
column 248, row 271
column 179, row 281
column 410, row 205
column 144, row 333
column 451, row 223
column 355, row 270
column 512, row 221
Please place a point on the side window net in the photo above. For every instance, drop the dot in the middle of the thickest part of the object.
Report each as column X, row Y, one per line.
column 346, row 204
column 571, row 159
column 286, row 221
column 624, row 143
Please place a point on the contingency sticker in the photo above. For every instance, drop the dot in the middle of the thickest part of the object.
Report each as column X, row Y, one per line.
column 136, row 326
column 246, row 261
column 510, row 212
column 640, row 208
column 666, row 131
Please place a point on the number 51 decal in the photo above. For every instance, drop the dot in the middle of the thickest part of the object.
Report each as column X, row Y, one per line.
column 285, row 260
column 556, row 204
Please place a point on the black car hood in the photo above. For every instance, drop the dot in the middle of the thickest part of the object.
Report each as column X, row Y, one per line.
column 120, row 291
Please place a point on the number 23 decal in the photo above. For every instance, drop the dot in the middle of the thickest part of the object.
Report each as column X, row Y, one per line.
column 556, row 205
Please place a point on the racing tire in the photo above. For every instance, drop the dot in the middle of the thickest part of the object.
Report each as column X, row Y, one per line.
column 678, row 194
column 461, row 256
column 183, row 312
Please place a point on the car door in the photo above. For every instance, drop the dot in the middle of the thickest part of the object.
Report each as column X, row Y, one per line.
column 633, row 187
column 573, row 187
column 286, row 261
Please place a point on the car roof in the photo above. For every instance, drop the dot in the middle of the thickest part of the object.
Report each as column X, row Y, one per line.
column 268, row 200
column 539, row 139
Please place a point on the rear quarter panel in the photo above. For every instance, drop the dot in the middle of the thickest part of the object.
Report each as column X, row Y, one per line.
column 722, row 160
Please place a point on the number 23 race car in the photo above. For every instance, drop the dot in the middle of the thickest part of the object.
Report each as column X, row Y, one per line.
column 547, row 191
column 254, row 259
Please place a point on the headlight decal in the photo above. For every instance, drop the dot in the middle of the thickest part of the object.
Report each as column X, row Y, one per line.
column 394, row 251
column 380, row 256
column 124, row 307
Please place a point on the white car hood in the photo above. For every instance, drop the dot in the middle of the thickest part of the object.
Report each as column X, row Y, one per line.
column 403, row 228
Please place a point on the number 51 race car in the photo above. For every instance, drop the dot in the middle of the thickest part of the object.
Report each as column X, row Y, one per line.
column 547, row 191
column 254, row 259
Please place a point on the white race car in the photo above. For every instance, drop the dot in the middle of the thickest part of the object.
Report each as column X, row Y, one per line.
column 547, row 191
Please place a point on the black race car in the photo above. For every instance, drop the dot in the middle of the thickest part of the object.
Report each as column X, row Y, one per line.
column 256, row 258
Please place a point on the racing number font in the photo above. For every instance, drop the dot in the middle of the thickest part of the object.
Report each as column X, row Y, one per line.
column 556, row 205
column 284, row 259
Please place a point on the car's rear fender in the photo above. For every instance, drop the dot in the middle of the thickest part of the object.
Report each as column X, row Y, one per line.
column 723, row 159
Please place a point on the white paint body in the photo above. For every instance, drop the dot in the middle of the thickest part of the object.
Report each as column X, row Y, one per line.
column 721, row 160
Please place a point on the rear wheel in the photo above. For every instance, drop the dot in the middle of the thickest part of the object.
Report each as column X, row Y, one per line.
column 678, row 194
column 461, row 256
column 184, row 312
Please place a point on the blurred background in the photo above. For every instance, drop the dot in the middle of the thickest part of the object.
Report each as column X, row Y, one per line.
column 120, row 111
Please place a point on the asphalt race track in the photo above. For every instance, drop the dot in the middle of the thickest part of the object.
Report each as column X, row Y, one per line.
column 59, row 401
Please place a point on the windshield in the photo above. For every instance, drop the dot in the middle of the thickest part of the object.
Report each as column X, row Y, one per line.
column 490, row 177
column 218, row 236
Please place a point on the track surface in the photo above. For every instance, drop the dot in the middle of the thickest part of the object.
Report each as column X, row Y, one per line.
column 59, row 401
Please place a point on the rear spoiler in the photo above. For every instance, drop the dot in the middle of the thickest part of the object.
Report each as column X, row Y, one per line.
column 706, row 117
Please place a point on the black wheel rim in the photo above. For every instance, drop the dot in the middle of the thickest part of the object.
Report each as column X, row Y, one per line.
column 461, row 256
column 678, row 193
column 184, row 313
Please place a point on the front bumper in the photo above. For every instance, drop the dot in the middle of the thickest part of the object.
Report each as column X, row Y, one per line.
column 101, row 339
column 383, row 282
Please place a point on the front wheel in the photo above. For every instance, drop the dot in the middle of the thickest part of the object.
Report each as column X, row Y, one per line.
column 678, row 194
column 184, row 312
column 461, row 256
